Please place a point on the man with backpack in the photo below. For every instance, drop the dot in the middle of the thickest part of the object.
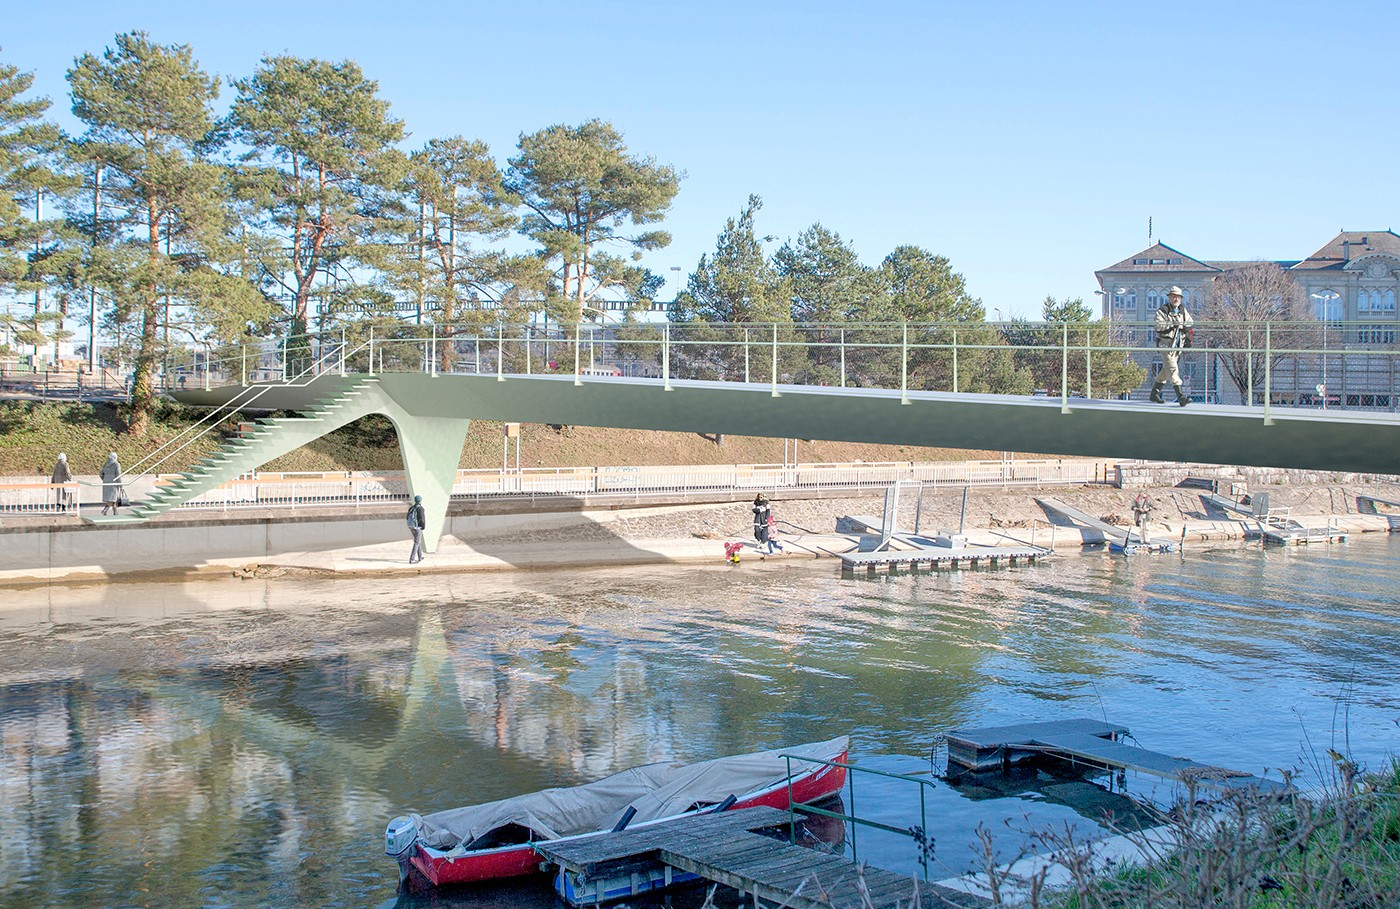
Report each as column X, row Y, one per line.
column 417, row 523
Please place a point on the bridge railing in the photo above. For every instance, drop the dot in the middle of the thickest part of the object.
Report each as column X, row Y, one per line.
column 313, row 489
column 1260, row 364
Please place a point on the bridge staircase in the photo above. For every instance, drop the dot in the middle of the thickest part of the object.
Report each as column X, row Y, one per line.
column 347, row 399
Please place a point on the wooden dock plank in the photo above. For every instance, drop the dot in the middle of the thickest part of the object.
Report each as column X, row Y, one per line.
column 775, row 867
column 722, row 848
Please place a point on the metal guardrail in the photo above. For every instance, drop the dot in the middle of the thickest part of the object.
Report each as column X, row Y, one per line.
column 1297, row 364
column 923, row 840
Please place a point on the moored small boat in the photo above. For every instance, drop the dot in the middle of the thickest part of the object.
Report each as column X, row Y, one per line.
column 496, row 840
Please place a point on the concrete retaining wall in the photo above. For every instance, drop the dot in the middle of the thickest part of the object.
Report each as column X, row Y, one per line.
column 1134, row 475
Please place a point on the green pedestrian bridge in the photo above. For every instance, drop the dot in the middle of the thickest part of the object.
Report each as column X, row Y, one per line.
column 431, row 411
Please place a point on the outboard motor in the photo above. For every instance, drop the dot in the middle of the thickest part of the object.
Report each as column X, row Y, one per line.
column 399, row 836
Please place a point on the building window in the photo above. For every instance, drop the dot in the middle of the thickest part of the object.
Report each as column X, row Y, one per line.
column 1363, row 301
column 1376, row 334
column 1388, row 301
column 1152, row 299
column 1327, row 305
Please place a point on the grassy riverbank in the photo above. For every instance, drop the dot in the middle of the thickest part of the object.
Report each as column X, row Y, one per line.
column 1253, row 851
column 33, row 433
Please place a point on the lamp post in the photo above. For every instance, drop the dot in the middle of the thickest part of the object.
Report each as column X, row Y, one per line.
column 677, row 294
column 1324, row 299
column 208, row 350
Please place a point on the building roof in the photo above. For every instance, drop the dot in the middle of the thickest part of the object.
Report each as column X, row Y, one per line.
column 1160, row 257
column 1232, row 265
column 1348, row 245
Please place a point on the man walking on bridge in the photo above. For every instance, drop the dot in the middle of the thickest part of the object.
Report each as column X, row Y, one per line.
column 1173, row 335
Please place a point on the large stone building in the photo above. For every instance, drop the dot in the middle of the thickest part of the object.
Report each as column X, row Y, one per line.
column 1353, row 282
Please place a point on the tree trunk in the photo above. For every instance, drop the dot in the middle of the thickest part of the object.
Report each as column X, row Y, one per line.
column 143, row 395
column 143, row 382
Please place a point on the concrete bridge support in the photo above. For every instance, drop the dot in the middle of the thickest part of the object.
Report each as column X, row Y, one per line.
column 431, row 449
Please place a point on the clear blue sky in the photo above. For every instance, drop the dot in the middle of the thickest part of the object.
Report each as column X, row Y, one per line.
column 1027, row 142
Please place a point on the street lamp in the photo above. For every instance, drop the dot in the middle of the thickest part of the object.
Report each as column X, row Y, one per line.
column 208, row 350
column 1108, row 300
column 1324, row 299
column 677, row 295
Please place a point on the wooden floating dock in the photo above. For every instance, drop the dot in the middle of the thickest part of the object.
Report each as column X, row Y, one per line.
column 1085, row 741
column 724, row 849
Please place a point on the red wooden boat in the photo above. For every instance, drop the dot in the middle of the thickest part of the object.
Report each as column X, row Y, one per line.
column 497, row 839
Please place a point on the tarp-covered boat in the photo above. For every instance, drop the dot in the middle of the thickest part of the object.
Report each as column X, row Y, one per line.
column 496, row 839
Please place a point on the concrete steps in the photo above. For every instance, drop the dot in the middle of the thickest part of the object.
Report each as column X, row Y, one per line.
column 351, row 399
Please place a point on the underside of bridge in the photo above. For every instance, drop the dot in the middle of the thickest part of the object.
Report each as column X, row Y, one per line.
column 432, row 413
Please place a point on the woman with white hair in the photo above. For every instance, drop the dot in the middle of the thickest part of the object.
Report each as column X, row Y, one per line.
column 62, row 474
column 111, row 483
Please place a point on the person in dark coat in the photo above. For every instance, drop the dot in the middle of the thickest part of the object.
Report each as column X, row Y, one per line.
column 62, row 474
column 417, row 523
column 111, row 483
column 760, row 511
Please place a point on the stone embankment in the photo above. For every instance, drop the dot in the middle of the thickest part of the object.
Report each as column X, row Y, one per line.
column 345, row 543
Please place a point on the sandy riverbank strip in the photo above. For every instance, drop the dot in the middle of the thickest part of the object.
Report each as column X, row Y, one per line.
column 697, row 533
column 374, row 541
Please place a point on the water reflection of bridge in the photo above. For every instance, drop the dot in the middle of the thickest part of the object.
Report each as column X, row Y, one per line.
column 300, row 732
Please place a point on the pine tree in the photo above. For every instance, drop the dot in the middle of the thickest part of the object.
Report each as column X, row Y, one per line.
column 316, row 144
column 146, row 107
column 31, row 247
column 580, row 186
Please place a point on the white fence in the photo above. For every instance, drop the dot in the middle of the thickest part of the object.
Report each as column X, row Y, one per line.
column 39, row 497
column 293, row 491
column 303, row 490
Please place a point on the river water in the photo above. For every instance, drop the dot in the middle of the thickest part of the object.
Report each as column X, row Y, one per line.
column 244, row 743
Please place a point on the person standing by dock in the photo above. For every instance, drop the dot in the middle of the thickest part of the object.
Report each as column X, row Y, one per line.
column 761, row 512
column 417, row 523
column 1142, row 514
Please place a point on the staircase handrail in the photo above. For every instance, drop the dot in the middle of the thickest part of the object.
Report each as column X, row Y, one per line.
column 148, row 465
